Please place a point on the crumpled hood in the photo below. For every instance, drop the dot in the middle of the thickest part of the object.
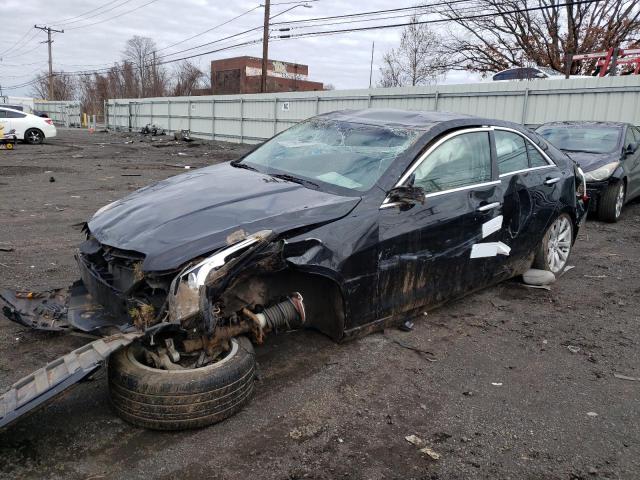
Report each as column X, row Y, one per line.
column 191, row 214
column 591, row 161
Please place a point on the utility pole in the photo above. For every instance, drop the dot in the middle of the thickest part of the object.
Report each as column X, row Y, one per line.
column 373, row 46
column 265, row 46
column 49, row 42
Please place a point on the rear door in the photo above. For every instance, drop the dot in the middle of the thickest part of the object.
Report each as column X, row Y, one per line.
column 17, row 121
column 425, row 250
column 531, row 185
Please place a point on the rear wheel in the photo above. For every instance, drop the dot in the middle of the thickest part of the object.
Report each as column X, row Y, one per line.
column 554, row 250
column 160, row 399
column 34, row 136
column 611, row 202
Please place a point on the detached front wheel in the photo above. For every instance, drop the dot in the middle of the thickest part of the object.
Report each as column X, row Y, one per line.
column 179, row 399
column 554, row 250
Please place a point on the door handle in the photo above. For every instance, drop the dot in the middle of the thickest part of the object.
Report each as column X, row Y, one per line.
column 551, row 181
column 488, row 206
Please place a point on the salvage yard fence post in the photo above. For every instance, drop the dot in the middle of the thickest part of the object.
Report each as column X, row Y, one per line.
column 257, row 117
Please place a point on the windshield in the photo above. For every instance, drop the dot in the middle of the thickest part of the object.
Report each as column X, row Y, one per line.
column 347, row 155
column 582, row 139
column 549, row 71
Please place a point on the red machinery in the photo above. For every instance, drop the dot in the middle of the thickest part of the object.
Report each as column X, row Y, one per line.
column 608, row 60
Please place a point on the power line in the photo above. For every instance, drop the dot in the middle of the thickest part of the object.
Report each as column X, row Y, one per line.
column 439, row 20
column 66, row 20
column 113, row 17
column 211, row 29
column 373, row 12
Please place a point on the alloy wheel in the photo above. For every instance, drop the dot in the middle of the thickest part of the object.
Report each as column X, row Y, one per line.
column 559, row 244
column 620, row 200
column 34, row 136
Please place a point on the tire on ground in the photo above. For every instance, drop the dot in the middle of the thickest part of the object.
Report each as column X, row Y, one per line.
column 27, row 136
column 541, row 260
column 607, row 207
column 181, row 399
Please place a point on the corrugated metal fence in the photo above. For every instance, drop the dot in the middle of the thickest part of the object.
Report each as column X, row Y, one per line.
column 61, row 112
column 254, row 118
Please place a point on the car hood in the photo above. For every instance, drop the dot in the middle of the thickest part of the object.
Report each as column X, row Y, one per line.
column 188, row 215
column 590, row 161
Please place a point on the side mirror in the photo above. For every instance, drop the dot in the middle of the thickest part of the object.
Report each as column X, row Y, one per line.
column 631, row 148
column 406, row 195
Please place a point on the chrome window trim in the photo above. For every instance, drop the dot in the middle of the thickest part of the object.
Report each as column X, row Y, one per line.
column 460, row 189
column 430, row 150
column 525, row 170
column 527, row 139
column 423, row 157
column 483, row 128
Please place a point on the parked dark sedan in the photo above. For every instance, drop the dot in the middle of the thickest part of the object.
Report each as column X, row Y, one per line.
column 608, row 154
column 348, row 222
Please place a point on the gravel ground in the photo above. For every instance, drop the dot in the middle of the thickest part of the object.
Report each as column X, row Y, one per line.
column 504, row 398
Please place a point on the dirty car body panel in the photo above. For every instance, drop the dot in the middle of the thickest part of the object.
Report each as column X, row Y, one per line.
column 370, row 216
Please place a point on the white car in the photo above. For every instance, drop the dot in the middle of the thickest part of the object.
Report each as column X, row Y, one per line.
column 30, row 128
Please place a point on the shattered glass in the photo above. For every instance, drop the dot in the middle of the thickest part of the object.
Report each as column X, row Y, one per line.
column 348, row 155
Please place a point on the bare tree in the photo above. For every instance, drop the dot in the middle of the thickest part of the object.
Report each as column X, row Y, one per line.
column 64, row 86
column 152, row 78
column 416, row 61
column 188, row 78
column 511, row 36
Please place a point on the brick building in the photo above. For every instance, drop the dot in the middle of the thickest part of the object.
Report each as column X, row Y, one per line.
column 243, row 75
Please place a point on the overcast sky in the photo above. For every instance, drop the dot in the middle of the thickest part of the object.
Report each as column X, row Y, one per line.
column 342, row 60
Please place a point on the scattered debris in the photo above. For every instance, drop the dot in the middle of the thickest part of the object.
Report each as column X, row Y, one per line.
column 406, row 326
column 496, row 384
column 538, row 278
column 573, row 348
column 421, row 444
column 592, row 414
column 594, row 276
column 429, row 356
column 625, row 377
column 184, row 135
column 153, row 130
column 6, row 248
column 51, row 179
column 130, row 174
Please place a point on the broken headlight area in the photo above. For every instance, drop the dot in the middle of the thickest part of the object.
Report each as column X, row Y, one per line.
column 115, row 280
column 191, row 291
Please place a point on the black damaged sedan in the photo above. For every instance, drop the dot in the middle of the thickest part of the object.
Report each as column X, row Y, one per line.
column 347, row 223
column 608, row 154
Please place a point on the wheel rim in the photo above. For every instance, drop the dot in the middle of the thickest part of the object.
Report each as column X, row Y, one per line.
column 620, row 200
column 34, row 137
column 559, row 244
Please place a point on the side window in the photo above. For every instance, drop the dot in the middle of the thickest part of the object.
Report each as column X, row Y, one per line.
column 14, row 114
column 460, row 161
column 511, row 152
column 636, row 134
column 628, row 139
column 3, row 114
column 535, row 157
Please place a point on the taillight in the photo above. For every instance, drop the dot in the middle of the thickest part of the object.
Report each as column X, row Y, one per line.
column 49, row 121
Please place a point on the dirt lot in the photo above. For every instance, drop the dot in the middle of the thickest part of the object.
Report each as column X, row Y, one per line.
column 505, row 397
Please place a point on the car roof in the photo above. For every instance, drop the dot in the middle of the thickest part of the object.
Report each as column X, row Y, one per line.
column 576, row 124
column 411, row 119
column 13, row 110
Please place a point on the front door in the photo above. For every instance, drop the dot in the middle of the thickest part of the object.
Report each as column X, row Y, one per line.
column 425, row 250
